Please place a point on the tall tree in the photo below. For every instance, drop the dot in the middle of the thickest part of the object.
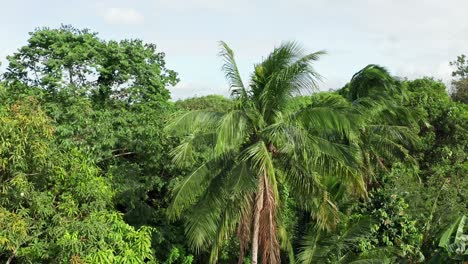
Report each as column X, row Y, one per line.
column 259, row 148
column 120, row 132
column 77, row 60
column 388, row 128
column 460, row 81
column 55, row 206
column 384, row 134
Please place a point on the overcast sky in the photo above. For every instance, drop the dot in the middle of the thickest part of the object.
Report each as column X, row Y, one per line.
column 412, row 38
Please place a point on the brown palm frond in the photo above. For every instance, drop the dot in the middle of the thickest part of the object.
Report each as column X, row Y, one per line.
column 268, row 240
column 256, row 219
column 244, row 228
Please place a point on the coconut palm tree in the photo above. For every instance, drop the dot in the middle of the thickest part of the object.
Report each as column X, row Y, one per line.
column 372, row 81
column 388, row 128
column 385, row 132
column 258, row 149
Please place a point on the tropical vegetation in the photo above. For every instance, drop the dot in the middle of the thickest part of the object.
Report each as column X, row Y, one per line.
column 99, row 165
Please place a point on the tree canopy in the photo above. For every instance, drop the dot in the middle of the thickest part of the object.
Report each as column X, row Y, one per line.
column 98, row 165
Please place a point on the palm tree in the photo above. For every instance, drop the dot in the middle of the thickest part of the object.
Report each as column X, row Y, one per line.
column 372, row 81
column 385, row 131
column 388, row 128
column 259, row 148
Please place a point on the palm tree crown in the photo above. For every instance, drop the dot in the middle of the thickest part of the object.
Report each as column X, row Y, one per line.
column 387, row 128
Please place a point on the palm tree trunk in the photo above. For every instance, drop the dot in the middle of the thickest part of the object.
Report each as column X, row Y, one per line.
column 256, row 227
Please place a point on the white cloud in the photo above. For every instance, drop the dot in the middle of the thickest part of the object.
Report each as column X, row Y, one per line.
column 123, row 16
column 215, row 5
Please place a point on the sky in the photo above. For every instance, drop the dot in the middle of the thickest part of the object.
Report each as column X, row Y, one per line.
column 411, row 38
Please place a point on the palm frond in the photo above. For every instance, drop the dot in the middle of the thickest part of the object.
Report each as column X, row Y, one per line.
column 283, row 84
column 232, row 131
column 268, row 240
column 244, row 228
column 231, row 71
column 286, row 242
column 201, row 226
column 338, row 246
column 231, row 217
column 372, row 81
column 329, row 114
column 322, row 156
column 191, row 187
column 193, row 121
column 203, row 220
column 183, row 153
column 258, row 154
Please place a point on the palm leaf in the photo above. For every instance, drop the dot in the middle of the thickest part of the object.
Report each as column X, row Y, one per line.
column 231, row 71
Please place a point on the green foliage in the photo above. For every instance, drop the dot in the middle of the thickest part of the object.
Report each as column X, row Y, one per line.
column 55, row 206
column 393, row 227
column 372, row 81
column 120, row 136
column 436, row 185
column 342, row 245
column 388, row 129
column 97, row 166
column 384, row 134
column 78, row 61
column 214, row 103
column 460, row 83
column 454, row 240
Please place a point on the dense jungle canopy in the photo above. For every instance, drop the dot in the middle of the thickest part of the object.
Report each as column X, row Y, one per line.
column 98, row 165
